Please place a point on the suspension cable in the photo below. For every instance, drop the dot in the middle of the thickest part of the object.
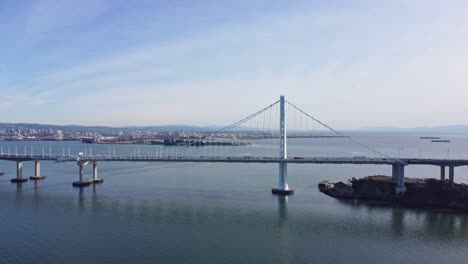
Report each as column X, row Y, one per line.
column 345, row 136
column 245, row 119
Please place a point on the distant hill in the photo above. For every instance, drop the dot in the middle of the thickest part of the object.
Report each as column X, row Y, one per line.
column 80, row 128
column 384, row 128
column 449, row 128
column 165, row 128
column 100, row 128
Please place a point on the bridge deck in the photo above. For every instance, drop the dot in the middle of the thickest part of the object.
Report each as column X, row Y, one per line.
column 246, row 159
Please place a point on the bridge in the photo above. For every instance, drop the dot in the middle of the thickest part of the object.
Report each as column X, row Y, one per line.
column 259, row 124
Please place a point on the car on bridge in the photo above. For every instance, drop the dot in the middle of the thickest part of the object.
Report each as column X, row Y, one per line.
column 359, row 157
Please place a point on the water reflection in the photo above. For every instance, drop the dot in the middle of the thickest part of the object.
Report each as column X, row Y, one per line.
column 164, row 210
column 414, row 222
column 19, row 191
column 282, row 209
column 87, row 197
column 81, row 198
column 398, row 221
column 283, row 228
column 93, row 195
column 37, row 188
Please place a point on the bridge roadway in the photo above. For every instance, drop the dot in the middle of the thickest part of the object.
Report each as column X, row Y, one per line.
column 245, row 159
column 398, row 165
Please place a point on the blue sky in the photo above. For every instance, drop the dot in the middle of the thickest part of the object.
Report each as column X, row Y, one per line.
column 352, row 64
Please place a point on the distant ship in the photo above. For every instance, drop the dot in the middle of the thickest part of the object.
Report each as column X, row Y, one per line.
column 429, row 137
column 441, row 140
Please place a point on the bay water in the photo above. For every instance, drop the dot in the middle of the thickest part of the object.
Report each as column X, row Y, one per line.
column 223, row 212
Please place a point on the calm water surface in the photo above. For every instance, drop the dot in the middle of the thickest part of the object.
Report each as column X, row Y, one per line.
column 223, row 213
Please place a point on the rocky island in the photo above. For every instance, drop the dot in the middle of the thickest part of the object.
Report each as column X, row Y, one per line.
column 419, row 192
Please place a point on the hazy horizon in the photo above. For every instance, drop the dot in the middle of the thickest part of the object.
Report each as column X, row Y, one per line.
column 351, row 64
column 427, row 129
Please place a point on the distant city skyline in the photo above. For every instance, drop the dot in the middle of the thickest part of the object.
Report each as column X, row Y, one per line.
column 352, row 64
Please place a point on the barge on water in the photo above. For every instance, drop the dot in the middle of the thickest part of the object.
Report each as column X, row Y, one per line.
column 429, row 137
column 440, row 140
column 433, row 193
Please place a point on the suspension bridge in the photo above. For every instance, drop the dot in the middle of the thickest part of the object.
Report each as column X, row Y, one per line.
column 269, row 123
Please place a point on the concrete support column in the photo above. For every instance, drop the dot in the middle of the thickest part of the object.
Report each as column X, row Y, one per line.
column 81, row 172
column 451, row 174
column 83, row 183
column 95, row 171
column 19, row 169
column 442, row 173
column 283, row 174
column 400, row 187
column 395, row 171
column 283, row 187
column 37, row 171
column 19, row 172
column 95, row 175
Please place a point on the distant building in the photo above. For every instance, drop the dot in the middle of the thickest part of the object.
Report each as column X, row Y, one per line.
column 58, row 135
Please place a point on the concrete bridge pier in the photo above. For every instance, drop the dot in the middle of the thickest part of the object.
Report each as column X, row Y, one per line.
column 451, row 174
column 283, row 188
column 19, row 173
column 95, row 177
column 398, row 174
column 81, row 182
column 442, row 173
column 37, row 171
column 395, row 171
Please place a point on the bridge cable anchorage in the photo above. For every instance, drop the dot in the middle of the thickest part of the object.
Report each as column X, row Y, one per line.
column 346, row 136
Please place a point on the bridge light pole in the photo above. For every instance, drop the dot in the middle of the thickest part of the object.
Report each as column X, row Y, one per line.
column 283, row 188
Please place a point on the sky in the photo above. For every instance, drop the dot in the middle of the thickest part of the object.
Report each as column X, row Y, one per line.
column 351, row 64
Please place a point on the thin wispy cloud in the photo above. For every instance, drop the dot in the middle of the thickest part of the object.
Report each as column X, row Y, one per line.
column 389, row 64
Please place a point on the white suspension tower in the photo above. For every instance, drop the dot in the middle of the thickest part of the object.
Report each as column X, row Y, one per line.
column 283, row 188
